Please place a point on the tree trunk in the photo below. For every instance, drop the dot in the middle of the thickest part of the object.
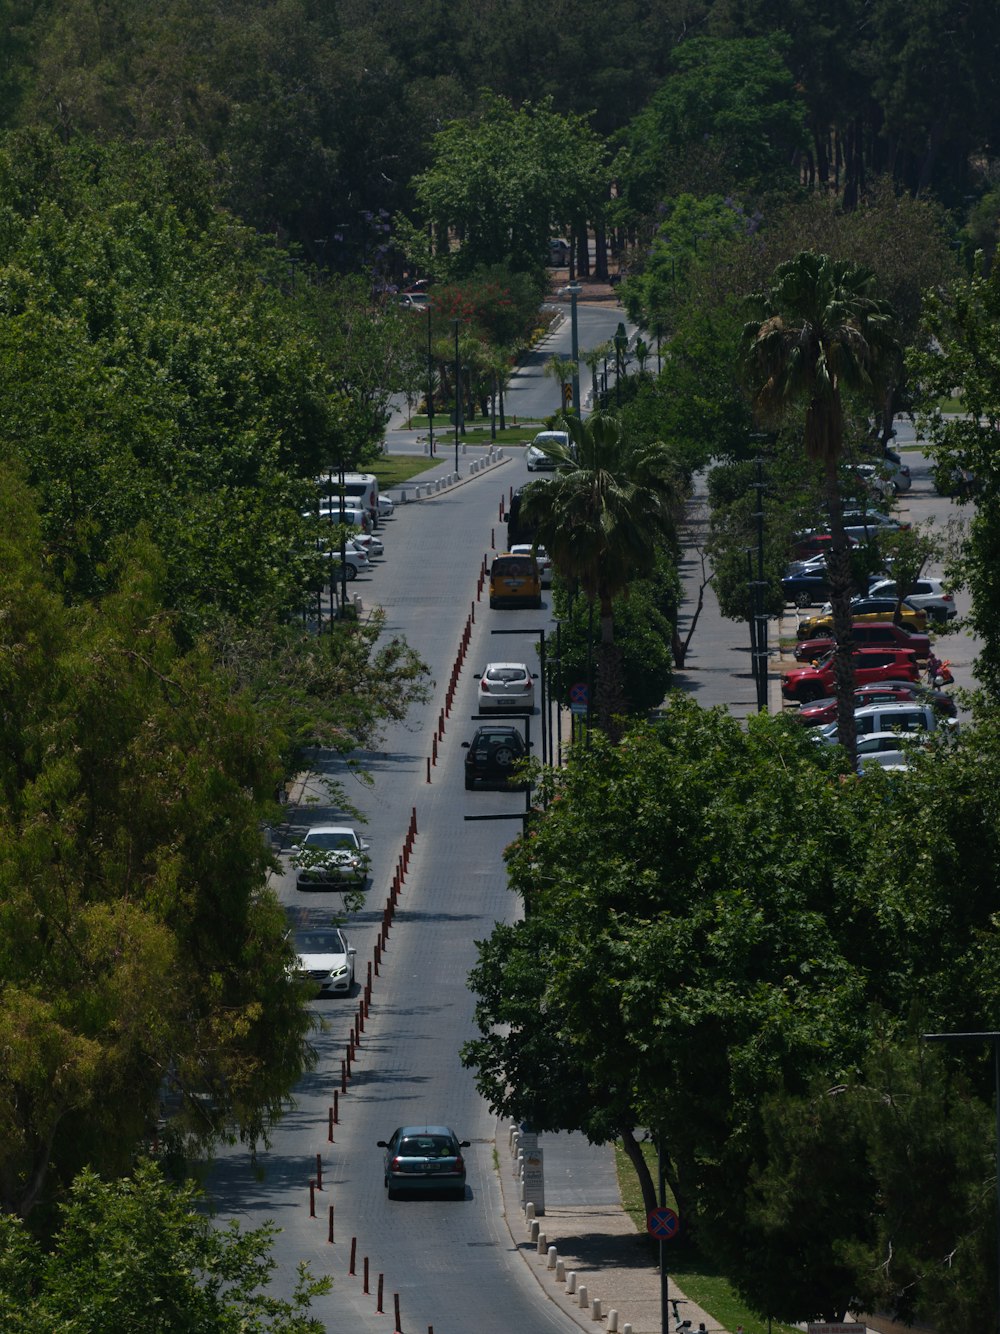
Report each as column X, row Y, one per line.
column 610, row 693
column 635, row 1156
column 840, row 599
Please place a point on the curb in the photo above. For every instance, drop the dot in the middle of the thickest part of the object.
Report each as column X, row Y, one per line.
column 449, row 481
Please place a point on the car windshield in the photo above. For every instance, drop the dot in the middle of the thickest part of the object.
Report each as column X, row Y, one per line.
column 426, row 1146
column 506, row 674
column 332, row 842
column 319, row 942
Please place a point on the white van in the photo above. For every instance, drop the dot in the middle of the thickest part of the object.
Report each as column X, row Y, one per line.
column 360, row 490
column 898, row 717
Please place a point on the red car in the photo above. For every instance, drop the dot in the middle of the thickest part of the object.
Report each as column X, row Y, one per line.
column 865, row 634
column 823, row 711
column 806, row 684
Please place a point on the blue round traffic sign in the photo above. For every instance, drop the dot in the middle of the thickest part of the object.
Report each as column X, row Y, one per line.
column 578, row 693
column 662, row 1223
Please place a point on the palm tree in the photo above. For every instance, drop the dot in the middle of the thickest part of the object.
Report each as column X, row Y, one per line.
column 818, row 332
column 602, row 519
column 562, row 370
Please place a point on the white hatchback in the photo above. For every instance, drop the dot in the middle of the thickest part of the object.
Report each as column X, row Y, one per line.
column 542, row 558
column 535, row 455
column 506, row 685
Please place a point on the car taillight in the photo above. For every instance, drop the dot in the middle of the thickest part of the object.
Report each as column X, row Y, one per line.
column 459, row 1163
column 483, row 686
column 394, row 1165
column 947, row 597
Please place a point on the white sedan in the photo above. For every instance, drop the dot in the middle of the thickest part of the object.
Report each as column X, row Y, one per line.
column 542, row 558
column 328, row 856
column 506, row 685
column 324, row 957
column 535, row 456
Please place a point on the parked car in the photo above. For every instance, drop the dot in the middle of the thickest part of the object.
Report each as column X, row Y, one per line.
column 816, row 681
column 867, row 632
column 953, row 479
column 386, row 507
column 493, row 752
column 869, row 608
column 870, row 526
column 927, row 593
column 355, row 562
column 542, row 557
column 506, row 685
column 535, row 457
column 822, row 711
column 898, row 716
column 368, row 544
column 423, row 1158
column 325, row 958
column 806, row 587
column 515, row 581
column 330, row 855
column 884, row 750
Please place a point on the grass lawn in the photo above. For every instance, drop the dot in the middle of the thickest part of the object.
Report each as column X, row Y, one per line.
column 693, row 1273
column 480, row 433
column 394, row 469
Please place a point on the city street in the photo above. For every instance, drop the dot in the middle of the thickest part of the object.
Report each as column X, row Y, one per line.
column 453, row 1265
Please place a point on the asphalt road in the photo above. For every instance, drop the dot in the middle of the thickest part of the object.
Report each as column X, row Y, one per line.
column 453, row 1264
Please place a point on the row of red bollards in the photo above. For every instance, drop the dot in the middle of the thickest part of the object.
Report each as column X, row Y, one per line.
column 354, row 1043
column 456, row 671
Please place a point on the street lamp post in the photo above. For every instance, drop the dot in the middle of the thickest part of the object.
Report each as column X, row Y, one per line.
column 430, row 386
column 574, row 289
column 458, row 392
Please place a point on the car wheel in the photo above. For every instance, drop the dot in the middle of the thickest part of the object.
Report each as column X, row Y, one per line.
column 470, row 782
column 350, row 573
column 458, row 1193
column 391, row 1193
column 803, row 600
column 809, row 693
column 503, row 756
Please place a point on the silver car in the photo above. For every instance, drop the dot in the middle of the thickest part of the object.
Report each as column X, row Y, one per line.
column 330, row 855
column 535, row 456
column 325, row 958
column 506, row 685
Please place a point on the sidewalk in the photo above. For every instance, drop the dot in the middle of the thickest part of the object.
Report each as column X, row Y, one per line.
column 594, row 1239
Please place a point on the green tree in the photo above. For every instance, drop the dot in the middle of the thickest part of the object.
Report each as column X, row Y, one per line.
column 140, row 1253
column 727, row 118
column 687, row 967
column 142, row 956
column 961, row 324
column 819, row 332
column 499, row 180
column 602, row 519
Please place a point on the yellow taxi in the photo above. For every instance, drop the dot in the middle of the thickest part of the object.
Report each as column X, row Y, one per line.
column 515, row 581
column 864, row 609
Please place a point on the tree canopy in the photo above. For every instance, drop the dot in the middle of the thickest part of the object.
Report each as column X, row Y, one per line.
column 722, row 921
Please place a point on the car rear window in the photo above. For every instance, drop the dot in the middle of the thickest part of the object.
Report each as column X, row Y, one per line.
column 514, row 565
column 506, row 674
column 426, row 1146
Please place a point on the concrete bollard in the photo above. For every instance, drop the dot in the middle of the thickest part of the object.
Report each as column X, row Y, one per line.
column 529, row 1211
column 416, row 493
column 612, row 1321
column 560, row 1271
column 542, row 1244
column 535, row 1229
column 583, row 1297
column 571, row 1282
column 358, row 605
column 404, row 496
column 595, row 1309
column 553, row 1257
column 626, row 1329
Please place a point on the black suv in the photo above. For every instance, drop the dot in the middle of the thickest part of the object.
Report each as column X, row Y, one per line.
column 494, row 750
